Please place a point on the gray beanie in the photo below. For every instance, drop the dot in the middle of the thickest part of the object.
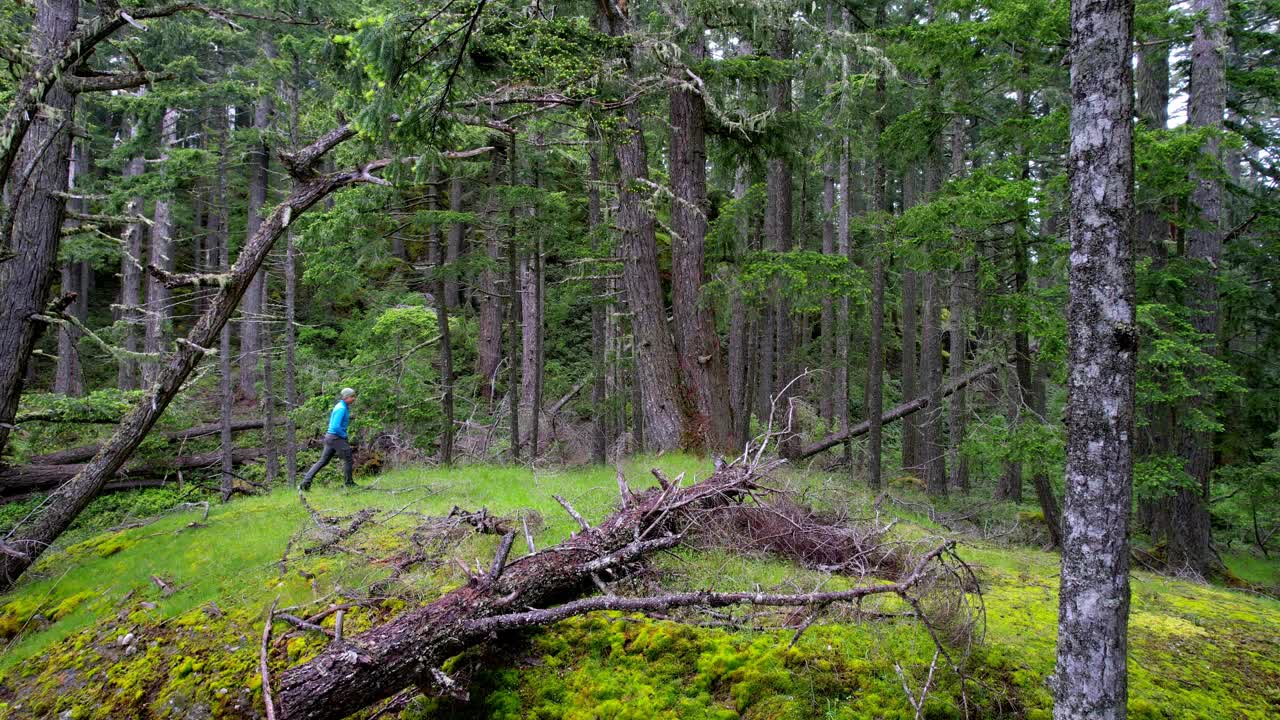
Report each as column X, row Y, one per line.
column 346, row 393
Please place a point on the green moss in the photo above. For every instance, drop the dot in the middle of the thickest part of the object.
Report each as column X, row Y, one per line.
column 1197, row 651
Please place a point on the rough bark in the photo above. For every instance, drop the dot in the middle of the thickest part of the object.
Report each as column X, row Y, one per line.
column 702, row 363
column 37, row 532
column 38, row 142
column 933, row 451
column 961, row 282
column 1091, row 676
column 656, row 366
column 1189, row 539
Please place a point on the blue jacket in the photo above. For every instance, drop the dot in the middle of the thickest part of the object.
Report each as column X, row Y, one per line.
column 339, row 419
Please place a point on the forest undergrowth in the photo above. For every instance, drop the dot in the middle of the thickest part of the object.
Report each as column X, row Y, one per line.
column 164, row 619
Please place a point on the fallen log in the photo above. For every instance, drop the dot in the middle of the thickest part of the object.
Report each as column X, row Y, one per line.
column 896, row 413
column 24, row 479
column 408, row 650
column 85, row 453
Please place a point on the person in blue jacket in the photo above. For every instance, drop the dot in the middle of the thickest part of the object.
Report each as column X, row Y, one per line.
column 335, row 440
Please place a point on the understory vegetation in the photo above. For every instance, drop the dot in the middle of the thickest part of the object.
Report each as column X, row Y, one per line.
column 164, row 619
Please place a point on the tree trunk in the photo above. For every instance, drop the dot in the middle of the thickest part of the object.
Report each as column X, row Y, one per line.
column 934, row 456
column 515, row 333
column 160, row 254
column 440, row 290
column 225, row 381
column 964, row 278
column 127, row 373
column 68, row 376
column 600, row 434
column 38, row 532
column 489, row 343
column 1091, row 677
column 875, row 341
column 740, row 327
column 1189, row 542
column 778, row 233
column 457, row 234
column 657, row 370
column 702, row 364
column 911, row 437
column 1040, row 480
column 251, row 326
column 38, row 210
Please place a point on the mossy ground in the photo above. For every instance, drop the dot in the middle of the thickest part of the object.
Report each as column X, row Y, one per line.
column 91, row 635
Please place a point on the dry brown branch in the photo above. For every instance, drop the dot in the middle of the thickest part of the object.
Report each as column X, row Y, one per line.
column 262, row 661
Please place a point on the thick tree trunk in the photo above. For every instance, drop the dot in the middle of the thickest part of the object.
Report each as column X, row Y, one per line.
column 251, row 326
column 657, row 370
column 37, row 210
column 36, row 533
column 160, row 254
column 1091, row 677
column 702, row 363
column 1189, row 540
column 740, row 327
column 489, row 343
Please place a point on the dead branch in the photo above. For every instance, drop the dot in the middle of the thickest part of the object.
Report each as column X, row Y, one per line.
column 896, row 413
column 262, row 661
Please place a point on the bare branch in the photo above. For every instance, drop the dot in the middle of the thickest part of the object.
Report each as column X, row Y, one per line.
column 573, row 513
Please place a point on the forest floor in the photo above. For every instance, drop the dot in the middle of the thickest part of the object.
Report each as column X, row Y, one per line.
column 165, row 619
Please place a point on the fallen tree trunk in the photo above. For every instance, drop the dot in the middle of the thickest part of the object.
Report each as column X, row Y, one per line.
column 353, row 674
column 22, row 479
column 84, row 453
column 896, row 413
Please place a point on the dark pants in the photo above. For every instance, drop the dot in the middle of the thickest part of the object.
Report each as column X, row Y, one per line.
column 333, row 445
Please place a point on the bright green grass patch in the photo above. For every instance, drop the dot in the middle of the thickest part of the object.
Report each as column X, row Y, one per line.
column 1197, row 651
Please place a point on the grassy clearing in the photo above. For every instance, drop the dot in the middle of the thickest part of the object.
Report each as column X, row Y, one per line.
column 93, row 636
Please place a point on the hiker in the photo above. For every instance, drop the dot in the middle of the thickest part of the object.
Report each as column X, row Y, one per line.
column 335, row 440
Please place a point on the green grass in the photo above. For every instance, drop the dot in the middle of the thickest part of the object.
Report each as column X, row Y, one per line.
column 1197, row 651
